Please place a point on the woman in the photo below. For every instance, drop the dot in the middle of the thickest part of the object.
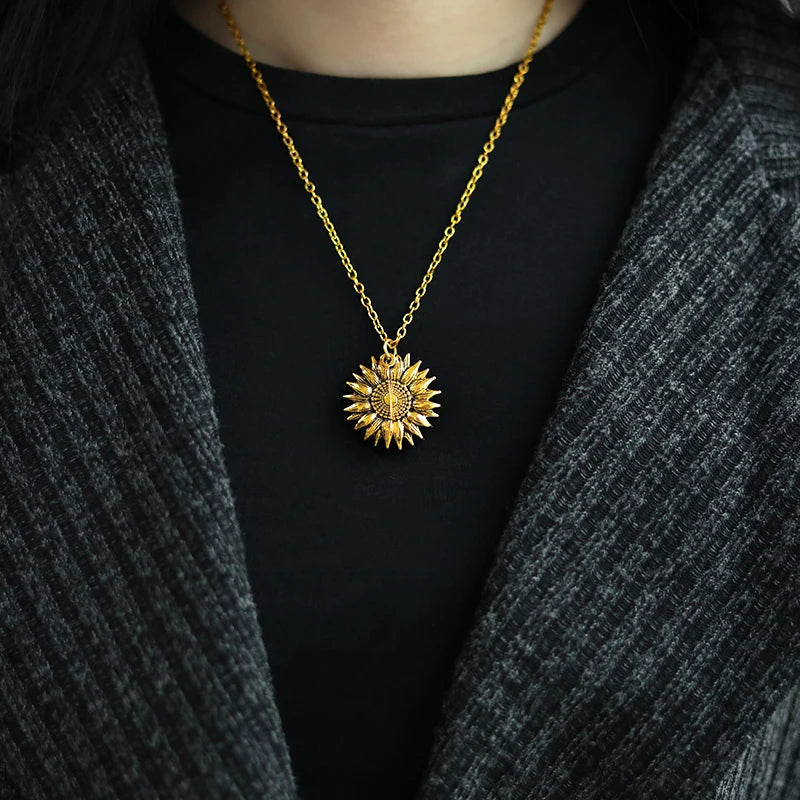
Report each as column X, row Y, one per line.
column 582, row 582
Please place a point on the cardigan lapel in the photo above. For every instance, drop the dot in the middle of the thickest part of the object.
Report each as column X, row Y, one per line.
column 640, row 620
column 645, row 576
column 131, row 659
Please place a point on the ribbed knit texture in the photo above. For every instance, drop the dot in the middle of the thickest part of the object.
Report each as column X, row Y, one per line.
column 770, row 766
column 639, row 634
column 642, row 619
column 131, row 659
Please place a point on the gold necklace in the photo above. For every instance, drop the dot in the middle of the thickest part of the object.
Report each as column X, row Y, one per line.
column 392, row 398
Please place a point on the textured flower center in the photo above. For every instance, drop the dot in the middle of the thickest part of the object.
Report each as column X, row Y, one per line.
column 391, row 399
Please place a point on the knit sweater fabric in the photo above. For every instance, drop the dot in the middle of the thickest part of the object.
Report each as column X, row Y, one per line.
column 639, row 632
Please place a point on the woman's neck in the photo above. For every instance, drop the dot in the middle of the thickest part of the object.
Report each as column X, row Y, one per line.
column 382, row 38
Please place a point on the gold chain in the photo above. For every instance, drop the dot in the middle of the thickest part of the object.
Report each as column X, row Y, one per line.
column 483, row 159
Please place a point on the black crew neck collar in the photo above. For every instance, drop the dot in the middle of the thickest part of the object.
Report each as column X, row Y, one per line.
column 223, row 74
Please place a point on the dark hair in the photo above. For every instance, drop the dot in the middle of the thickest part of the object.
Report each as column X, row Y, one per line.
column 48, row 48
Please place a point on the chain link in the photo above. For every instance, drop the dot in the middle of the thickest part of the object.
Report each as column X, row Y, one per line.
column 483, row 160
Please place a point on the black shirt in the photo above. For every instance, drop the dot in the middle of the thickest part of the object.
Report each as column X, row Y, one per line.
column 366, row 563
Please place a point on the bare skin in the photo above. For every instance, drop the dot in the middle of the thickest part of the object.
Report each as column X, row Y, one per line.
column 382, row 38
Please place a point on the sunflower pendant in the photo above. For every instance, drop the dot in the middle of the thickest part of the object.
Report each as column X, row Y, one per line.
column 392, row 399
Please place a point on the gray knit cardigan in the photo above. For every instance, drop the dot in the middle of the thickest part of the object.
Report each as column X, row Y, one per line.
column 639, row 632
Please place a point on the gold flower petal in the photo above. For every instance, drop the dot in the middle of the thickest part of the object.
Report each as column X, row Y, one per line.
column 365, row 419
column 413, row 428
column 363, row 405
column 374, row 428
column 420, row 385
column 385, row 371
column 369, row 374
column 423, row 405
column 419, row 419
column 386, row 430
column 398, row 431
column 410, row 373
column 360, row 387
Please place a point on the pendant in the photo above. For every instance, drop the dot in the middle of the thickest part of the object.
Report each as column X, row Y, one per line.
column 392, row 399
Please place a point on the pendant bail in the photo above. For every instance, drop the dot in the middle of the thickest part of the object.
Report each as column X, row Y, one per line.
column 390, row 350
